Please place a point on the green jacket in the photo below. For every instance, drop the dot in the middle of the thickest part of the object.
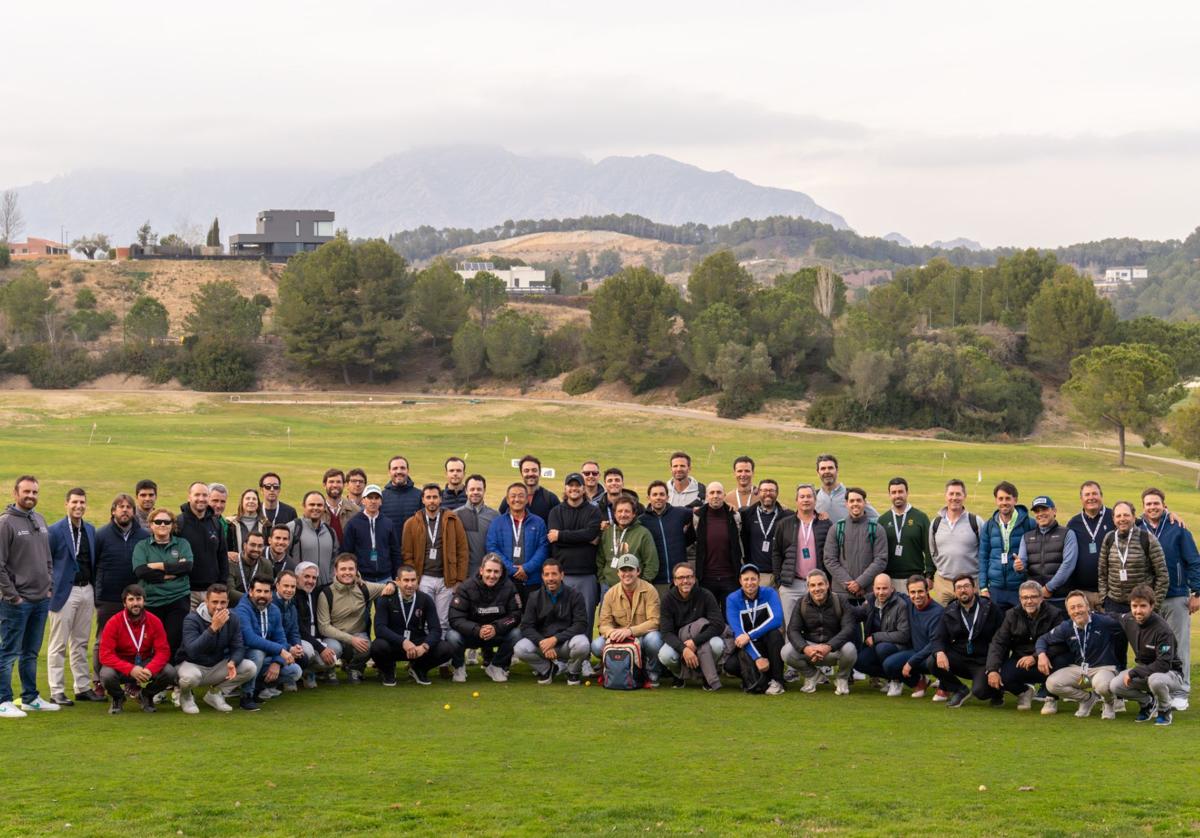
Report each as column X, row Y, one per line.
column 637, row 540
column 176, row 555
column 914, row 543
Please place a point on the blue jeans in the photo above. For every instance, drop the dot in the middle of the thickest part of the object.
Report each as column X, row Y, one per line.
column 21, row 630
column 288, row 673
column 651, row 644
column 872, row 660
column 502, row 646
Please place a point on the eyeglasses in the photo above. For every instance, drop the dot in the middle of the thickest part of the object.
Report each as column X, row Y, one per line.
column 162, row 522
column 590, row 473
column 685, row 577
column 271, row 487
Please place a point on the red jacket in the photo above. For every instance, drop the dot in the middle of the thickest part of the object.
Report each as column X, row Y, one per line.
column 117, row 648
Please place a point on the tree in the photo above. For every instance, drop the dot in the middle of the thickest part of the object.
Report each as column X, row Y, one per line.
column 1130, row 385
column 85, row 300
column 608, row 262
column 146, row 320
column 743, row 374
column 719, row 279
column 1065, row 317
column 826, row 292
column 88, row 324
column 438, row 303
column 91, row 245
column 12, row 221
column 788, row 324
column 146, row 235
column 632, row 336
column 174, row 241
column 708, row 334
column 214, row 234
column 1183, row 431
column 29, row 309
column 583, row 265
column 487, row 294
column 5, row 256
column 1014, row 282
column 556, row 281
column 220, row 313
column 468, row 351
column 513, row 341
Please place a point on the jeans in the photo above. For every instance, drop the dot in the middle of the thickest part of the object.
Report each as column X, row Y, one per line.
column 573, row 655
column 501, row 644
column 893, row 667
column 351, row 658
column 1115, row 609
column 651, row 644
column 872, row 660
column 71, row 628
column 312, row 661
column 968, row 667
column 289, row 673
column 589, row 588
column 21, row 628
column 1004, row 599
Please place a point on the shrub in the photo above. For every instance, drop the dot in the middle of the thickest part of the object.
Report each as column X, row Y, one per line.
column 89, row 325
column 694, row 387
column 47, row 370
column 56, row 283
column 582, row 380
column 5, row 256
column 216, row 367
column 837, row 413
column 77, row 276
column 738, row 403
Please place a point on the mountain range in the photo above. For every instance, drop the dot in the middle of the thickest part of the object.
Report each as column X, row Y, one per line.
column 442, row 187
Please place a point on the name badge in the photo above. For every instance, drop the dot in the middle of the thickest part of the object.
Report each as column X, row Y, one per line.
column 516, row 552
column 805, row 553
column 766, row 547
column 137, row 660
column 407, row 634
column 432, row 554
column 1004, row 558
column 614, row 562
column 374, row 556
column 1092, row 548
column 1124, row 575
column 899, row 550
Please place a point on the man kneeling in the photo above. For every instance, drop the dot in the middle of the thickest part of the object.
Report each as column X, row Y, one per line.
column 134, row 651
column 553, row 630
column 755, row 616
column 407, row 628
column 1091, row 639
column 821, row 633
column 213, row 653
column 691, row 624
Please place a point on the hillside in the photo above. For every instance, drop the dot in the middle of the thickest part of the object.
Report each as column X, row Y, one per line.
column 554, row 247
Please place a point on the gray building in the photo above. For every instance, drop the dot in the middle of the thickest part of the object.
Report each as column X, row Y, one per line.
column 284, row 232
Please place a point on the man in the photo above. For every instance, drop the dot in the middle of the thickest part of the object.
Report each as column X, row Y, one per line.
column 198, row 526
column 553, row 626
column 1156, row 680
column 218, row 497
column 401, row 499
column 485, row 614
column 373, row 540
column 476, row 517
column 1090, row 525
column 683, row 490
column 758, row 530
column 671, row 529
column 273, row 509
column 113, row 569
column 454, row 493
column 1048, row 552
column 213, row 653
column 855, row 553
column 718, row 530
column 592, row 490
column 1183, row 571
column 614, row 490
column 1091, row 643
column 831, row 497
column 907, row 531
column 961, row 645
column 625, row 537
column 1001, row 569
column 407, row 627
column 798, row 548
column 886, row 634
column 435, row 543
column 519, row 538
column 692, row 624
column 356, row 481
column 1012, row 654
column 134, row 653
column 343, row 615
column 755, row 616
column 26, row 580
column 539, row 500
column 924, row 622
column 73, row 604
column 574, row 535
column 319, row 659
column 279, row 548
column 285, row 600
column 338, row 508
column 251, row 564
column 629, row 613
column 1129, row 556
column 744, row 490
column 312, row 539
column 821, row 633
column 146, row 492
column 266, row 646
column 953, row 549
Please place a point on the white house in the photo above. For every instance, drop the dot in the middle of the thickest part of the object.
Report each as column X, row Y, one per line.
column 1125, row 274
column 518, row 280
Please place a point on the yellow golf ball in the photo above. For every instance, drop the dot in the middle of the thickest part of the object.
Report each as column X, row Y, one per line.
column 445, row 706
column 475, row 694
column 587, row 683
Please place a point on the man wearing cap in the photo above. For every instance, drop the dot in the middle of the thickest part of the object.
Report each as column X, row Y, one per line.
column 755, row 615
column 373, row 539
column 573, row 532
column 630, row 613
column 1049, row 552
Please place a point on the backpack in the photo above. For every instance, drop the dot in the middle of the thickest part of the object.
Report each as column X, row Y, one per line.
column 1143, row 536
column 327, row 590
column 841, row 532
column 622, row 666
column 937, row 522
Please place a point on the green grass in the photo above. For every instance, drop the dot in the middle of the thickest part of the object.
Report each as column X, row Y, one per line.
column 557, row 760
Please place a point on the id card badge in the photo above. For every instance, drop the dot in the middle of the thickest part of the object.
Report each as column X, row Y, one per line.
column 516, row 553
column 137, row 661
column 899, row 551
column 1092, row 547
column 407, row 634
column 374, row 556
column 432, row 554
column 614, row 562
column 766, row 547
column 1124, row 575
column 1004, row 558
column 805, row 552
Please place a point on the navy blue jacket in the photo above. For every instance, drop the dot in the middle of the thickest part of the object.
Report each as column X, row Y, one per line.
column 112, row 567
column 290, row 617
column 923, row 626
column 1179, row 549
column 1100, row 638
column 672, row 532
column 62, row 552
column 203, row 648
column 356, row 539
column 400, row 503
column 540, row 503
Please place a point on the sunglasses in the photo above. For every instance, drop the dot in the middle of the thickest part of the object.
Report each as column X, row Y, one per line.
column 162, row 522
column 590, row 473
column 271, row 487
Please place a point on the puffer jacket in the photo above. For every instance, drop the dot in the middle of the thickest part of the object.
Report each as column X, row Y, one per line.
column 994, row 573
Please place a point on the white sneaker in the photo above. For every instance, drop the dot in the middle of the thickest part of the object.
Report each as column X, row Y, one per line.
column 1050, row 707
column 269, row 693
column 1025, row 699
column 1119, row 704
column 459, row 676
column 775, row 688
column 1179, row 703
column 495, row 673
column 9, row 710
column 810, row 685
column 1108, row 712
column 841, row 686
column 859, row 676
column 39, row 705
column 472, row 657
column 187, row 702
column 291, row 688
column 587, row 671
column 1085, row 706
column 894, row 689
column 216, row 701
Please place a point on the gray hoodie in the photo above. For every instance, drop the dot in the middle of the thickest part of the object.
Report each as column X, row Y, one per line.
column 25, row 562
column 955, row 549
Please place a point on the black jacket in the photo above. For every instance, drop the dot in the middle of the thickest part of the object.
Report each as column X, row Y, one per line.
column 561, row 620
column 675, row 612
column 700, row 524
column 953, row 632
column 886, row 625
column 1018, row 633
column 423, row 625
column 1154, row 646
column 210, row 550
column 540, row 503
column 113, row 565
column 578, row 528
column 475, row 605
column 833, row 622
column 203, row 648
column 783, row 547
column 754, row 536
column 306, row 610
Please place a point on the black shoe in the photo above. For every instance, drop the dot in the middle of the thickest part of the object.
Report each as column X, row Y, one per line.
column 1147, row 711
column 249, row 704
column 709, row 688
column 61, row 700
column 90, row 695
column 998, row 701
column 678, row 683
column 147, row 702
column 420, row 677
column 388, row 679
column 117, row 706
column 958, row 698
column 573, row 680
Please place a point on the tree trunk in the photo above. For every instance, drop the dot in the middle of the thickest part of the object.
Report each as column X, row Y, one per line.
column 346, row 374
column 1121, row 441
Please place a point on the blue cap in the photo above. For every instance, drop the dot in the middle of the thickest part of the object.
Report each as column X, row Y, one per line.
column 1043, row 500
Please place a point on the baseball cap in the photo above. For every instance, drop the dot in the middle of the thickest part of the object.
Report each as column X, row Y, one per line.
column 372, row 490
column 1043, row 500
column 573, row 477
column 628, row 560
column 748, row 566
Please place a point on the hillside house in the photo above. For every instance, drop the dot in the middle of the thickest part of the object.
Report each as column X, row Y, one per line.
column 518, row 279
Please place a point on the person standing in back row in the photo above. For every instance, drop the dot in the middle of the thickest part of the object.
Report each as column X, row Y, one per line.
column 1001, row 569
column 574, row 535
column 274, row 510
column 907, row 531
column 718, row 543
column 953, row 542
column 1090, row 525
column 73, row 604
column 197, row 524
column 758, row 529
column 831, row 497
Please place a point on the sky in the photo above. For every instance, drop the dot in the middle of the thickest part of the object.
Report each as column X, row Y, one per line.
column 1020, row 123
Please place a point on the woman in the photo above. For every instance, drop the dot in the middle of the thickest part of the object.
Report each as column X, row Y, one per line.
column 249, row 517
column 162, row 563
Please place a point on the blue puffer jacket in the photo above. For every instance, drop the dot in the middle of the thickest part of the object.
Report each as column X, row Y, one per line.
column 289, row 615
column 994, row 574
column 400, row 502
column 533, row 551
column 672, row 533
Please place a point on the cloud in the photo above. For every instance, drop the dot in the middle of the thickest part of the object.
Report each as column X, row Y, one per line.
column 1020, row 149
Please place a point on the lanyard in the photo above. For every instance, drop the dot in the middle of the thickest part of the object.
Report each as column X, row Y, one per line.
column 898, row 526
column 407, row 614
column 618, row 540
column 1006, row 531
column 517, row 529
column 137, row 641
column 1155, row 531
column 274, row 515
column 766, row 531
column 737, row 494
column 1124, row 557
column 1082, row 642
column 242, row 571
column 433, row 533
column 263, row 621
column 77, row 537
column 806, row 534
column 371, row 523
column 312, row 613
column 1092, row 533
column 971, row 626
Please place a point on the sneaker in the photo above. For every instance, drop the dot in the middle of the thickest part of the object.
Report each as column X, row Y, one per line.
column 216, row 701
column 941, row 695
column 712, row 688
column 388, row 679
column 1179, row 703
column 291, row 687
column 823, row 674
column 9, row 710
column 459, row 675
column 61, row 700
column 40, row 705
column 958, row 699
column 1025, row 699
column 573, row 680
column 1164, row 718
column 310, row 681
column 859, row 676
column 419, row 677
column 775, row 688
column 998, row 700
column 1085, row 706
column 331, row 678
column 810, row 685
column 269, row 693
column 471, row 658
column 187, row 703
column 1108, row 712
column 920, row 688
column 1049, row 706
column 249, row 704
column 90, row 695
column 547, row 678
column 117, row 706
column 1119, row 704
column 495, row 673
column 894, row 689
column 588, row 671
column 651, row 684
column 678, row 683
column 791, row 674
column 876, row 683
column 356, row 676
column 147, row 702
column 841, row 686
column 1146, row 711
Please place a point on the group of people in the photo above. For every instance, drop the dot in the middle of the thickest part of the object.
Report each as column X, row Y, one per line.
column 703, row 582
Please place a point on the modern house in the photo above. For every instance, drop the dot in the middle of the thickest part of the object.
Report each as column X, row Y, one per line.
column 518, row 279
column 33, row 248
column 284, row 233
column 1117, row 278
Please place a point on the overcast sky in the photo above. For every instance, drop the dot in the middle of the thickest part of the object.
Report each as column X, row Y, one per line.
column 1019, row 123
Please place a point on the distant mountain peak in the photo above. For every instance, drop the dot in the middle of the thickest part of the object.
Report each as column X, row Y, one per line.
column 969, row 244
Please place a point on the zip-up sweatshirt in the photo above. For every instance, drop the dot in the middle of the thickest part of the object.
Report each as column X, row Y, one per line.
column 1154, row 648
column 26, row 566
column 1093, row 645
column 924, row 624
column 754, row 617
column 204, row 647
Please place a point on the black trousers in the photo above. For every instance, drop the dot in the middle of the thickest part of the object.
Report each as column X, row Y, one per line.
column 386, row 654
column 114, row 682
column 172, row 615
column 973, row 668
column 105, row 611
column 770, row 646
